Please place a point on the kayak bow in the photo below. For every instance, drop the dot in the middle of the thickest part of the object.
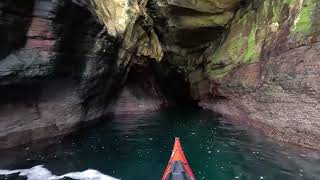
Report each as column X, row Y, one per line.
column 178, row 167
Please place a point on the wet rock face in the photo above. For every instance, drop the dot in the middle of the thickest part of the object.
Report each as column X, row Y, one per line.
column 74, row 61
column 29, row 41
column 174, row 35
column 63, row 63
column 15, row 18
column 280, row 96
column 57, row 69
column 265, row 72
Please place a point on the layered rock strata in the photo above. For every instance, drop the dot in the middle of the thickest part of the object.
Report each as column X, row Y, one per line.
column 65, row 63
column 265, row 72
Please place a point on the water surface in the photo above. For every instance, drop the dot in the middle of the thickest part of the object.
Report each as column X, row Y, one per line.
column 137, row 147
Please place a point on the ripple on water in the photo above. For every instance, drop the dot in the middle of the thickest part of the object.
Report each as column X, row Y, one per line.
column 138, row 146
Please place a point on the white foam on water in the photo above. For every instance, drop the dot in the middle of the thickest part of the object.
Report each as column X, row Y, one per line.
column 87, row 174
column 41, row 173
column 8, row 172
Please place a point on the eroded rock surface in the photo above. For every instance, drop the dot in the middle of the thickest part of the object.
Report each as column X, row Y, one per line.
column 53, row 69
column 64, row 63
column 265, row 72
column 140, row 94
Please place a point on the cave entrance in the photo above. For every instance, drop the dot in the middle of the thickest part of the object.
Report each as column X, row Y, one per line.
column 149, row 87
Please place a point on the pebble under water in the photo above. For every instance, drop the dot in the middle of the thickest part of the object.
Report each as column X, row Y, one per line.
column 138, row 147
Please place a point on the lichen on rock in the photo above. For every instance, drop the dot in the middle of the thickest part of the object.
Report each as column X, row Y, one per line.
column 114, row 14
column 131, row 23
column 261, row 28
column 265, row 71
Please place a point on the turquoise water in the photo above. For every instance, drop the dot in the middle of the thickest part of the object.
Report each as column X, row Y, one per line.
column 137, row 147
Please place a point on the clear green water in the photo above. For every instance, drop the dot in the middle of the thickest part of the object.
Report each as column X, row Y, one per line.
column 137, row 147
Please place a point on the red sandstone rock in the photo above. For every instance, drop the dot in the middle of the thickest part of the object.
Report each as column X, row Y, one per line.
column 40, row 43
column 40, row 28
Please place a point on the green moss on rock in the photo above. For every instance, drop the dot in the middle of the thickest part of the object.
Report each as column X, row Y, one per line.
column 251, row 53
column 304, row 19
column 262, row 27
column 239, row 47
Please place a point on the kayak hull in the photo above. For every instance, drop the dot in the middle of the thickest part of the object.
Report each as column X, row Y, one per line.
column 178, row 167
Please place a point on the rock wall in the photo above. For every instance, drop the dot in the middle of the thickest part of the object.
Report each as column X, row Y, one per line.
column 63, row 63
column 57, row 69
column 140, row 94
column 265, row 71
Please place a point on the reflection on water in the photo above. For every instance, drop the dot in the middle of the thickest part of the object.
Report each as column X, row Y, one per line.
column 134, row 147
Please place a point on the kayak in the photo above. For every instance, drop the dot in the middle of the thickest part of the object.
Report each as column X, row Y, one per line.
column 178, row 167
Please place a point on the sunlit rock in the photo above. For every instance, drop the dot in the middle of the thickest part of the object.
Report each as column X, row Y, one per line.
column 115, row 14
column 200, row 21
column 210, row 6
